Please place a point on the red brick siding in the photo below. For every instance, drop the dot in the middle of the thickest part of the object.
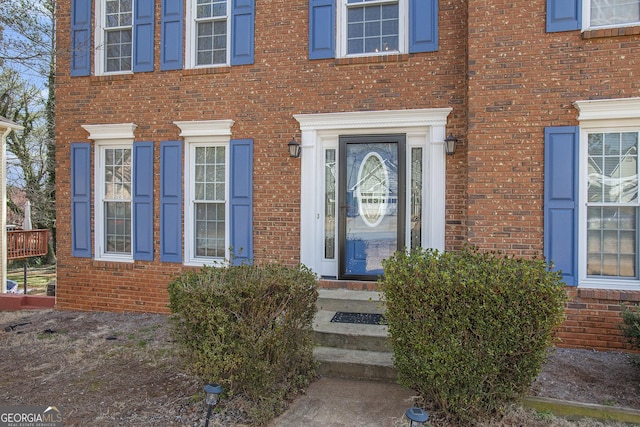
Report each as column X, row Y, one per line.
column 261, row 98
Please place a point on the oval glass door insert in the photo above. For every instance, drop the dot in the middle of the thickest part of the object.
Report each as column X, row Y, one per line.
column 372, row 189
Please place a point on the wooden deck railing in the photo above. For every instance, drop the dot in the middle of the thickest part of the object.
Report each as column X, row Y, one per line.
column 27, row 243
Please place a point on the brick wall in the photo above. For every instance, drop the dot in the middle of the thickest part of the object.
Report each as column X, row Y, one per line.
column 261, row 98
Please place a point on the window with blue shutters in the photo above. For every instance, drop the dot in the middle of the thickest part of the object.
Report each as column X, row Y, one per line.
column 218, row 187
column 571, row 15
column 371, row 27
column 124, row 36
column 592, row 208
column 219, row 33
column 123, row 193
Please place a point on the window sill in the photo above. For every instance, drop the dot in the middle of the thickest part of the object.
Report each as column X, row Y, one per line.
column 611, row 32
column 610, row 294
column 377, row 59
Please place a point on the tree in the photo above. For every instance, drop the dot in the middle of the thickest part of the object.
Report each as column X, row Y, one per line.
column 27, row 96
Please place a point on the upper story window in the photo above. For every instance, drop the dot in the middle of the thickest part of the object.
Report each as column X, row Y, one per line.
column 208, row 33
column 347, row 28
column 210, row 27
column 373, row 26
column 611, row 13
column 118, row 32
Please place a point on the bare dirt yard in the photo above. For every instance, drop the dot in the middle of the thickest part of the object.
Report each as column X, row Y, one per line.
column 106, row 369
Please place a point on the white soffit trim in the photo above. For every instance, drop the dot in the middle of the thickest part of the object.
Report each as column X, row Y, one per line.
column 374, row 119
column 608, row 109
column 113, row 131
column 205, row 128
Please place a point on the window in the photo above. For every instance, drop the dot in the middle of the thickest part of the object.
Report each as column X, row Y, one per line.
column 115, row 167
column 373, row 26
column 124, row 37
column 206, row 225
column 210, row 26
column 591, row 206
column 123, row 196
column 114, row 36
column 612, row 204
column 610, row 13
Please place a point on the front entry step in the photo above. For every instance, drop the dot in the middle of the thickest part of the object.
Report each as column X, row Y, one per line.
column 352, row 350
column 355, row 364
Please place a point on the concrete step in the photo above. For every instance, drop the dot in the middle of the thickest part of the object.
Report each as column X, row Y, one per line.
column 351, row 336
column 355, row 364
column 352, row 350
column 350, row 301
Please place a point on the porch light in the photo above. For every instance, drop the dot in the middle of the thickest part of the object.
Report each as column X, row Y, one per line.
column 417, row 417
column 212, row 391
column 294, row 148
column 450, row 144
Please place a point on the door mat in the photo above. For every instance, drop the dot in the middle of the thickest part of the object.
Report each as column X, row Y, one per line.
column 361, row 318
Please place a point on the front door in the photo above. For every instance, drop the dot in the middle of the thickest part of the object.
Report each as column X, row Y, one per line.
column 372, row 203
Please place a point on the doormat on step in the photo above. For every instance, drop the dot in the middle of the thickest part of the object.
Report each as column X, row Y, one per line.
column 362, row 318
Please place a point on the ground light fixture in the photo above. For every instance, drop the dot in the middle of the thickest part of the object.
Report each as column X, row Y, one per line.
column 294, row 148
column 450, row 144
column 212, row 391
column 417, row 417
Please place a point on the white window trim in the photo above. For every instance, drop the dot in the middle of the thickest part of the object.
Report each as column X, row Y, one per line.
column 341, row 30
column 191, row 41
column 608, row 115
column 99, row 40
column 586, row 19
column 423, row 128
column 110, row 135
column 198, row 134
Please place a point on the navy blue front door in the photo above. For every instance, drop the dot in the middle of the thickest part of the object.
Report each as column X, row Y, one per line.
column 371, row 223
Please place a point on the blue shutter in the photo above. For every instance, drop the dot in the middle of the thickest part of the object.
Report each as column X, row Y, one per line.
column 322, row 29
column 561, row 145
column 241, row 198
column 171, row 35
column 171, row 201
column 564, row 15
column 143, row 201
column 81, row 199
column 80, row 37
column 242, row 31
column 143, row 35
column 423, row 26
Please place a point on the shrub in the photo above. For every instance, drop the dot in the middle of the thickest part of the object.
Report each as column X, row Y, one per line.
column 470, row 330
column 248, row 328
column 630, row 327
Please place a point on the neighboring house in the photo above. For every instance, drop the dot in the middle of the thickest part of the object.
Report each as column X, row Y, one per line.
column 173, row 122
column 6, row 126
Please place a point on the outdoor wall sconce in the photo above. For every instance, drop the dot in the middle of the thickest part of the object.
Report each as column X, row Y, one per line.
column 212, row 391
column 450, row 144
column 417, row 417
column 294, row 148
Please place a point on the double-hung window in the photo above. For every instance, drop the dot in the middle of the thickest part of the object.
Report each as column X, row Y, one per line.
column 115, row 199
column 592, row 209
column 372, row 26
column 611, row 13
column 208, row 44
column 117, row 39
column 206, row 223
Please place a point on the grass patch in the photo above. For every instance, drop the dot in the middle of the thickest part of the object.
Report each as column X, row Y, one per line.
column 37, row 277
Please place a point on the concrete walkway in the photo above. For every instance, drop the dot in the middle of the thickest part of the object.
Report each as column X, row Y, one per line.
column 333, row 402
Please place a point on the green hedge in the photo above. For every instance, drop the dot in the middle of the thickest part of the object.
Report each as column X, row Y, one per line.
column 248, row 328
column 470, row 330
